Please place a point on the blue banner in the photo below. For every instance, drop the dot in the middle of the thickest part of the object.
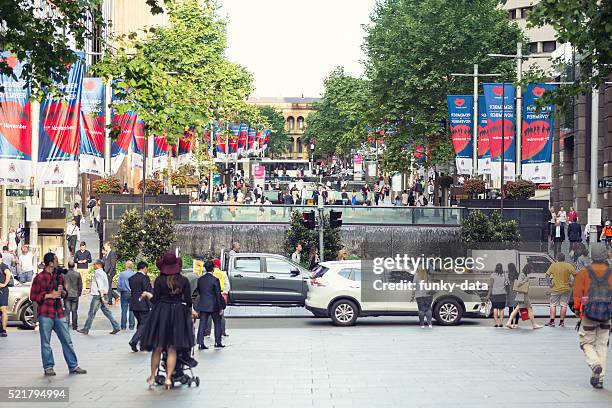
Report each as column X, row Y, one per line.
column 484, row 154
column 493, row 94
column 461, row 123
column 536, row 147
column 15, row 126
column 91, row 144
column 58, row 137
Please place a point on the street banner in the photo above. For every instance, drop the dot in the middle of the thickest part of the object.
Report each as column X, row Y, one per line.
column 123, row 127
column 15, row 126
column 185, row 148
column 484, row 154
column 58, row 136
column 252, row 139
column 493, row 101
column 91, row 142
column 259, row 139
column 259, row 175
column 461, row 122
column 243, row 138
column 266, row 140
column 138, row 144
column 220, row 142
column 160, row 153
column 536, row 148
column 357, row 163
column 233, row 141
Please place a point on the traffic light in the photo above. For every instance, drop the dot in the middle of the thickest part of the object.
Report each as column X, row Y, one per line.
column 335, row 219
column 309, row 220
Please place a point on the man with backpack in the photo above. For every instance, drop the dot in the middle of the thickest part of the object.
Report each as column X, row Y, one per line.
column 593, row 298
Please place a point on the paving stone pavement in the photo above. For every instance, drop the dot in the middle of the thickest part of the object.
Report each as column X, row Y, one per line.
column 326, row 366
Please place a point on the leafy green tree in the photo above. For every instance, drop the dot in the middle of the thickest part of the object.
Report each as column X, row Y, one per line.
column 587, row 26
column 279, row 138
column 158, row 232
column 412, row 47
column 41, row 34
column 299, row 234
column 480, row 229
column 128, row 240
column 339, row 122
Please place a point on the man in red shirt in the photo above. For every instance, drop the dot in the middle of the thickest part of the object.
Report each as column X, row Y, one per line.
column 47, row 291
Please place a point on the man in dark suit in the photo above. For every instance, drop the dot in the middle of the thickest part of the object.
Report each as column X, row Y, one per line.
column 110, row 268
column 140, row 284
column 557, row 236
column 211, row 304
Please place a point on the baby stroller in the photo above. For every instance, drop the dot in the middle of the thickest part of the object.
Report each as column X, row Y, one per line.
column 183, row 372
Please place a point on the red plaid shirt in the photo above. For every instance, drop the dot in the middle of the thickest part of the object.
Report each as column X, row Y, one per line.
column 42, row 284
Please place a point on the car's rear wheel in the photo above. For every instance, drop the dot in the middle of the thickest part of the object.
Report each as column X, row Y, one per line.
column 344, row 312
column 448, row 312
column 27, row 315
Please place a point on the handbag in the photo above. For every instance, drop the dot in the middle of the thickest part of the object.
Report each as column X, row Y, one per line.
column 524, row 288
column 524, row 314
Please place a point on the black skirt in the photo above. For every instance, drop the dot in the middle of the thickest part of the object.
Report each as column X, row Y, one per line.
column 498, row 301
column 169, row 324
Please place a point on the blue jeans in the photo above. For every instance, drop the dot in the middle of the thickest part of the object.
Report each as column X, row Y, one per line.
column 94, row 306
column 126, row 310
column 45, row 326
column 25, row 276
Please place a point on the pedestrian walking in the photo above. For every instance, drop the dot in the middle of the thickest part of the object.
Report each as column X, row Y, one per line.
column 423, row 297
column 581, row 257
column 47, row 291
column 110, row 268
column 210, row 305
column 497, row 294
column 169, row 325
column 562, row 215
column 5, row 281
column 25, row 264
column 592, row 298
column 296, row 256
column 98, row 291
column 9, row 260
column 521, row 287
column 313, row 258
column 72, row 236
column 95, row 214
column 572, row 215
column 511, row 294
column 557, row 236
column 574, row 233
column 606, row 234
column 225, row 288
column 125, row 294
column 235, row 248
column 82, row 259
column 140, row 293
column 561, row 274
column 12, row 240
column 74, row 288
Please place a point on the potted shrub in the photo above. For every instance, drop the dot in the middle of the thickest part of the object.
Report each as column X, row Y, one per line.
column 153, row 186
column 107, row 185
column 520, row 189
column 474, row 186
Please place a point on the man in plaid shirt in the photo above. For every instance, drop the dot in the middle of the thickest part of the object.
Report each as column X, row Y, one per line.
column 47, row 291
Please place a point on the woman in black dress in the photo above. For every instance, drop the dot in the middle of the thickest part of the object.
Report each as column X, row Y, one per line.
column 169, row 325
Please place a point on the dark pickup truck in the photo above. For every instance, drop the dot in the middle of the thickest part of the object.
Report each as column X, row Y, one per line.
column 265, row 279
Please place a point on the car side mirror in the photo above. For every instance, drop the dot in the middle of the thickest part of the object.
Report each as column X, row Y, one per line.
column 295, row 272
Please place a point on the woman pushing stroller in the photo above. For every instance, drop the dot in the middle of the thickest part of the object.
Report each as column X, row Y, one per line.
column 169, row 326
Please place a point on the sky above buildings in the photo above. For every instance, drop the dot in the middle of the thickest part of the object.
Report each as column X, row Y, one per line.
column 290, row 46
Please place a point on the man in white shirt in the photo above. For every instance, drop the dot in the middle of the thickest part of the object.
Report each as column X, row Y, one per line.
column 99, row 288
column 296, row 256
column 26, row 264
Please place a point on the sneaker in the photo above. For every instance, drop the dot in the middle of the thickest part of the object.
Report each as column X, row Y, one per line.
column 82, row 331
column 561, row 323
column 595, row 376
column 115, row 331
column 550, row 324
column 49, row 372
column 78, row 370
column 422, row 326
column 430, row 326
column 3, row 333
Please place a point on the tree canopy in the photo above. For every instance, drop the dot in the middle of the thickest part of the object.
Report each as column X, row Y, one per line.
column 279, row 138
column 412, row 48
column 44, row 34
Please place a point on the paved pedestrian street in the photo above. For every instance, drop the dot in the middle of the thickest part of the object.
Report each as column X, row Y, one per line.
column 386, row 363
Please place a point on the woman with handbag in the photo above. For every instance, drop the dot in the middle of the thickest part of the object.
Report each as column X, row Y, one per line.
column 523, row 305
column 497, row 294
column 511, row 294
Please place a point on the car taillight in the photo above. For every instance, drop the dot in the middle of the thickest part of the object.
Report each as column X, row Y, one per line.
column 317, row 282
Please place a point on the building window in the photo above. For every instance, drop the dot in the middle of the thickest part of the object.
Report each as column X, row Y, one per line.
column 533, row 48
column 299, row 145
column 300, row 123
column 290, row 123
column 512, row 14
column 525, row 11
column 549, row 46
